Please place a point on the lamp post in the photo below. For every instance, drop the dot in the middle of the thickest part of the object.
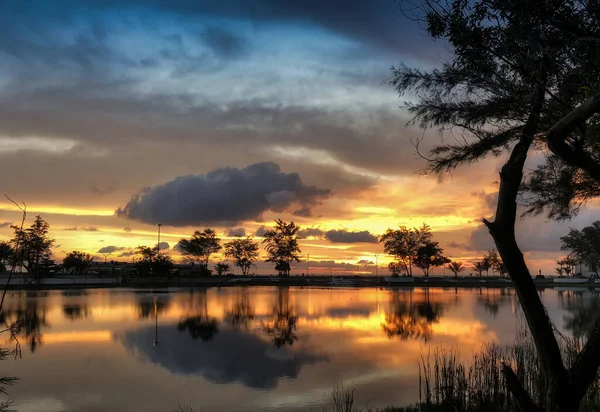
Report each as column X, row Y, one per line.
column 376, row 265
column 158, row 243
column 155, row 343
column 307, row 261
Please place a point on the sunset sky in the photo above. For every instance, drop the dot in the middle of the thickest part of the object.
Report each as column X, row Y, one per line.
column 117, row 115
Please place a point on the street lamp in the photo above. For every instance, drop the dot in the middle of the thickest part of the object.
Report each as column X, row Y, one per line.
column 307, row 261
column 376, row 265
column 158, row 243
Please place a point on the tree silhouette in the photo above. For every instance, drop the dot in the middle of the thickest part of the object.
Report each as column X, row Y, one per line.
column 584, row 245
column 78, row 261
column 429, row 256
column 404, row 245
column 200, row 246
column 222, row 268
column 540, row 95
column 33, row 245
column 456, row 267
column 6, row 254
column 281, row 244
column 243, row 251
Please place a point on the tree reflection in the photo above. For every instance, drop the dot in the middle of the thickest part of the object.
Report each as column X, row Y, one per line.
column 148, row 305
column 242, row 312
column 27, row 323
column 200, row 326
column 583, row 311
column 407, row 319
column 492, row 299
column 75, row 311
column 281, row 322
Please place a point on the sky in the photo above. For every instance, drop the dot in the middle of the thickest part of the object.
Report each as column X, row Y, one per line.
column 117, row 115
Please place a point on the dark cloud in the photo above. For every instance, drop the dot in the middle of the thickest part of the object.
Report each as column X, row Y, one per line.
column 163, row 246
column 127, row 254
column 260, row 232
column 5, row 224
column 127, row 229
column 85, row 229
column 230, row 357
column 365, row 262
column 236, row 232
column 345, row 236
column 223, row 196
column 310, row 232
column 110, row 249
column 224, row 43
column 102, row 190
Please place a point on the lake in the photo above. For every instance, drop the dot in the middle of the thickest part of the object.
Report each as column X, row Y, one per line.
column 250, row 348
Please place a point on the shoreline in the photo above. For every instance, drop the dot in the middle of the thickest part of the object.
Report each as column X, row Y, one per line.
column 17, row 283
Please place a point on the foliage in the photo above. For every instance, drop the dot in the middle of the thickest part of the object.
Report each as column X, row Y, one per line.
column 33, row 245
column 222, row 268
column 152, row 262
column 491, row 261
column 480, row 266
column 430, row 256
column 566, row 266
column 281, row 244
column 243, row 251
column 584, row 245
column 6, row 254
column 200, row 246
column 404, row 243
column 456, row 267
column 78, row 261
column 395, row 268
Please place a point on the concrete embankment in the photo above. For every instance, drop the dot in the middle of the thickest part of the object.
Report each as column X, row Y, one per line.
column 80, row 282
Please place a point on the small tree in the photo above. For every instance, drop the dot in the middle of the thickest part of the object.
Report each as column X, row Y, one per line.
column 430, row 256
column 222, row 268
column 77, row 261
column 153, row 262
column 491, row 261
column 34, row 245
column 456, row 267
column 396, row 268
column 404, row 244
column 479, row 267
column 243, row 251
column 584, row 245
column 281, row 244
column 200, row 246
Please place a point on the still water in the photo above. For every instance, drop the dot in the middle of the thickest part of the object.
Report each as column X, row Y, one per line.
column 249, row 348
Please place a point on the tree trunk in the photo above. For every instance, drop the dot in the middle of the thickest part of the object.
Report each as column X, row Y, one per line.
column 564, row 388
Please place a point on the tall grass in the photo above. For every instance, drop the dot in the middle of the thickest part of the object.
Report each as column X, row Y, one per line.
column 447, row 384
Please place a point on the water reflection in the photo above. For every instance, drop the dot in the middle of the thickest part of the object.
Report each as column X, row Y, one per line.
column 406, row 318
column 492, row 299
column 28, row 318
column 75, row 311
column 217, row 346
column 149, row 305
column 583, row 308
column 242, row 312
column 281, row 321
